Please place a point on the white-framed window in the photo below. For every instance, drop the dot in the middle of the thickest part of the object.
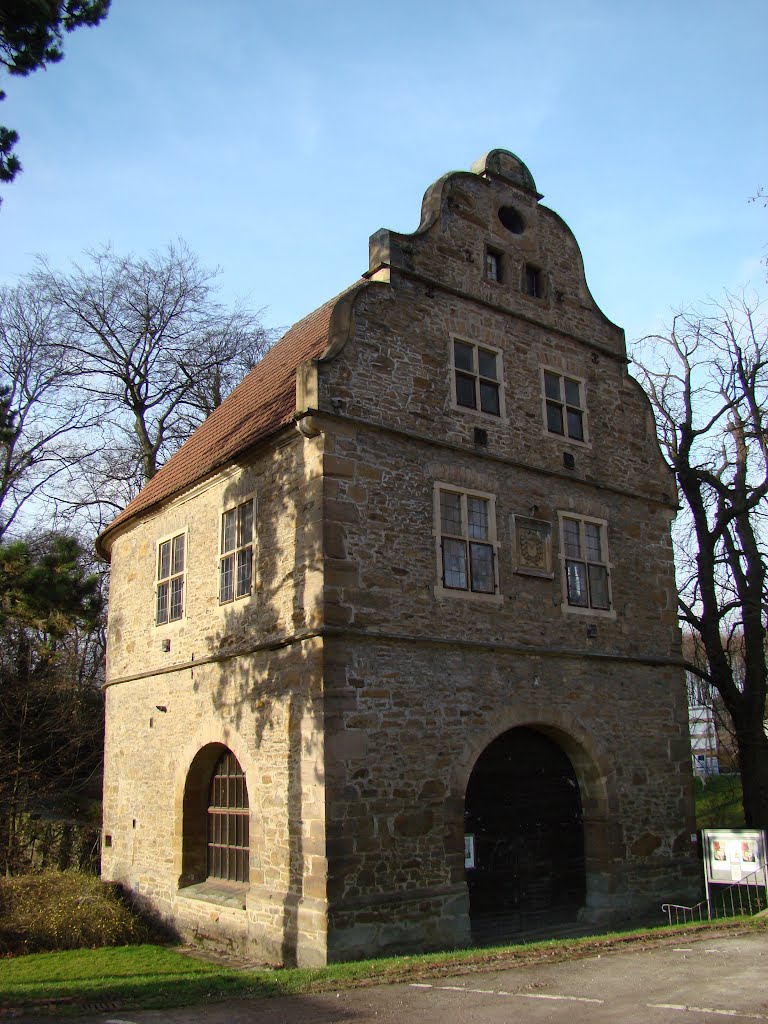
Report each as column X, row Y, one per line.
column 565, row 412
column 236, row 552
column 477, row 377
column 586, row 567
column 169, row 584
column 465, row 533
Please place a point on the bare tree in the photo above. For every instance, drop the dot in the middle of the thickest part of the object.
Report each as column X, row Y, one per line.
column 89, row 494
column 157, row 352
column 44, row 425
column 707, row 379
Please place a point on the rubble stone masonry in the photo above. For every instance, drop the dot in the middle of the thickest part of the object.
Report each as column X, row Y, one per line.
column 355, row 688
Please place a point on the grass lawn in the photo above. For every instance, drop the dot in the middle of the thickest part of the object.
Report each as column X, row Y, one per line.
column 718, row 802
column 126, row 975
column 150, row 976
column 155, row 976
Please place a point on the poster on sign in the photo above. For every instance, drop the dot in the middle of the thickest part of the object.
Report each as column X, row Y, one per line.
column 734, row 856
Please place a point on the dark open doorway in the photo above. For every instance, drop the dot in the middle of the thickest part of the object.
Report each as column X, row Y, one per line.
column 523, row 808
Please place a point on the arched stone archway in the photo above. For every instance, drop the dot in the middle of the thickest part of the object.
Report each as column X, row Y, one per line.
column 523, row 809
column 592, row 770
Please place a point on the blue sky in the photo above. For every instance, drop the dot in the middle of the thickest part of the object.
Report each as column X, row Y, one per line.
column 276, row 137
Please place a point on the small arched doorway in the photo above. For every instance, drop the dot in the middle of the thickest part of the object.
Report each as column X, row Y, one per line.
column 523, row 810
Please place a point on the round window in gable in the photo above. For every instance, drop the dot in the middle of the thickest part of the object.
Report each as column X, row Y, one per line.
column 511, row 220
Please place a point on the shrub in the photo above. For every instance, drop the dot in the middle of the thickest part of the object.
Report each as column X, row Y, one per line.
column 66, row 910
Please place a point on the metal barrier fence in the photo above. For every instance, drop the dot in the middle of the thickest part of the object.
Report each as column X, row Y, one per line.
column 742, row 899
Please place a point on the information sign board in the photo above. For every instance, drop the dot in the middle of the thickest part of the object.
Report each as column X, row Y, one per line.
column 734, row 856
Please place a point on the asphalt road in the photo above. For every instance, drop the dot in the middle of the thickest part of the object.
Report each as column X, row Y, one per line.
column 705, row 981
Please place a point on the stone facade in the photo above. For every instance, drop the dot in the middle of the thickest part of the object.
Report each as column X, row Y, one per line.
column 356, row 683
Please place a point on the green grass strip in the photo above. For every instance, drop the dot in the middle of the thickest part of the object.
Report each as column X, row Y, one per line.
column 155, row 977
column 128, row 975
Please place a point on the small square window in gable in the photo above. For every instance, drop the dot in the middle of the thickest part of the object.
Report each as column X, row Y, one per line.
column 493, row 266
column 533, row 281
column 477, row 378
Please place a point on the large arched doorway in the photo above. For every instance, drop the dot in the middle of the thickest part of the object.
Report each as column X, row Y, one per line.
column 523, row 814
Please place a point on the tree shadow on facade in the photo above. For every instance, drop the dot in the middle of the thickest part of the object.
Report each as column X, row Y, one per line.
column 264, row 688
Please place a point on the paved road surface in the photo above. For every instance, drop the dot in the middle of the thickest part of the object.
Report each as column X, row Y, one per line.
column 709, row 981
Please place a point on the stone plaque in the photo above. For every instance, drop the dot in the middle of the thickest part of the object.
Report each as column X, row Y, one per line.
column 533, row 546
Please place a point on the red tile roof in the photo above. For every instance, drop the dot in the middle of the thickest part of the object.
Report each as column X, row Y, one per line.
column 263, row 402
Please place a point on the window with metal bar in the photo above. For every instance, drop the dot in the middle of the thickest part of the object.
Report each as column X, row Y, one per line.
column 228, row 821
column 236, row 561
column 585, row 563
column 169, row 604
column 467, row 541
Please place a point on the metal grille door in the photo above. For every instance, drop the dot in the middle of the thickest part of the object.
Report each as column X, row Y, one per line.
column 228, row 842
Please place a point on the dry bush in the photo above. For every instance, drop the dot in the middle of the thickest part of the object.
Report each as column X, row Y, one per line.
column 66, row 910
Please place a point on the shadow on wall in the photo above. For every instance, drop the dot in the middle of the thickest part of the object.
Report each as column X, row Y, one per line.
column 270, row 695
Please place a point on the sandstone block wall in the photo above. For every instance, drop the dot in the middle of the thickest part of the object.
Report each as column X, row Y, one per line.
column 381, row 564
column 286, row 486
column 220, row 675
column 267, row 709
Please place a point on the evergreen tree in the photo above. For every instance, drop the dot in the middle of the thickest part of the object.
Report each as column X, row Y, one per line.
column 31, row 37
column 50, row 706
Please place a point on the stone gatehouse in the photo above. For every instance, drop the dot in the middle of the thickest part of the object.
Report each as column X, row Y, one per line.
column 392, row 637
